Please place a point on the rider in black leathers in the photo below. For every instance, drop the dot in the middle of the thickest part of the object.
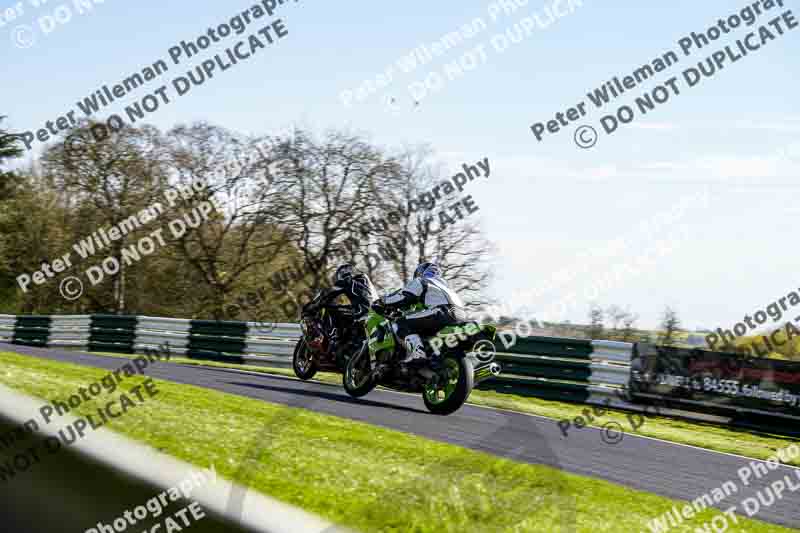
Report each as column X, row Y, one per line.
column 358, row 290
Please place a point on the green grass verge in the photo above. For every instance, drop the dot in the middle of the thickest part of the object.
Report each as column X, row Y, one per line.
column 753, row 444
column 362, row 476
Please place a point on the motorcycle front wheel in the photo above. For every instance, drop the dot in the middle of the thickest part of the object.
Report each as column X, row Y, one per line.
column 303, row 361
column 454, row 387
column 357, row 378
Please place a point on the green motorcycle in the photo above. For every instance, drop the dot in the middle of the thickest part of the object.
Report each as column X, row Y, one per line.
column 465, row 358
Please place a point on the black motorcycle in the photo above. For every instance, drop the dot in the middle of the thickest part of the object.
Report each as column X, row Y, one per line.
column 331, row 334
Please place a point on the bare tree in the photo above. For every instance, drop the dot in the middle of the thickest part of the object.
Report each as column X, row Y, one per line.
column 10, row 148
column 117, row 176
column 234, row 212
column 628, row 322
column 670, row 325
column 327, row 189
column 616, row 315
column 596, row 321
column 240, row 236
column 412, row 226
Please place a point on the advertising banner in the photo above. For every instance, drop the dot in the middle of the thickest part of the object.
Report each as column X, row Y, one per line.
column 721, row 380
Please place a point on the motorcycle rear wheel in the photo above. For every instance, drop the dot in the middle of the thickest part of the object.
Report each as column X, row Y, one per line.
column 449, row 396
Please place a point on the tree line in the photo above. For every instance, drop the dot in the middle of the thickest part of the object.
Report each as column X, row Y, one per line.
column 777, row 343
column 289, row 204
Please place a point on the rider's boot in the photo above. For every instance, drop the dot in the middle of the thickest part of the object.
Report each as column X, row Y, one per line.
column 415, row 349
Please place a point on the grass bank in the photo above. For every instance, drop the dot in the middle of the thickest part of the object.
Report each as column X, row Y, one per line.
column 753, row 444
column 364, row 477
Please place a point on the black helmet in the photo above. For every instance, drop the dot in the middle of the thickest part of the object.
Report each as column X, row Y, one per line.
column 427, row 270
column 343, row 275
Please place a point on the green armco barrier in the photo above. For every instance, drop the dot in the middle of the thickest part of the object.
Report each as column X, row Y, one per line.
column 31, row 341
column 114, row 321
column 551, row 346
column 24, row 331
column 111, row 347
column 112, row 333
column 34, row 321
column 32, row 330
column 217, row 340
column 212, row 327
column 33, row 334
column 543, row 367
column 552, row 369
column 106, row 335
column 217, row 344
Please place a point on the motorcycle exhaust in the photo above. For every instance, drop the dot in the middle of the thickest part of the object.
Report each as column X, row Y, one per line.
column 484, row 372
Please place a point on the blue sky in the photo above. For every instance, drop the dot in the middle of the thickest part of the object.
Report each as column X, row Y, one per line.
column 547, row 204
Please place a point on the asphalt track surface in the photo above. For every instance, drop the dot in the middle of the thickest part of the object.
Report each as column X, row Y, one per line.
column 670, row 470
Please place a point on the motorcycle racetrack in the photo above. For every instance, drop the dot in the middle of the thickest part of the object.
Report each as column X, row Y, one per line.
column 661, row 468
